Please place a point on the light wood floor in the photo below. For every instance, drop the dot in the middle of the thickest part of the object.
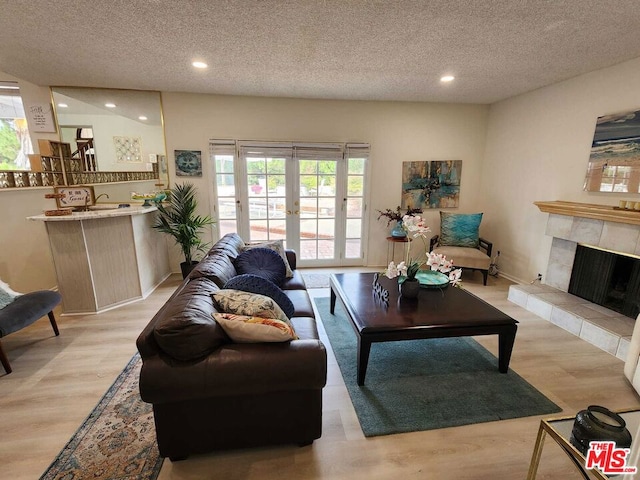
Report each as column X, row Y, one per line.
column 56, row 381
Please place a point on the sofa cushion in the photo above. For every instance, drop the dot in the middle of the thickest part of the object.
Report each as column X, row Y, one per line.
column 294, row 283
column 276, row 246
column 460, row 230
column 465, row 257
column 231, row 244
column 263, row 262
column 246, row 303
column 248, row 282
column 187, row 330
column 301, row 302
column 249, row 329
column 217, row 267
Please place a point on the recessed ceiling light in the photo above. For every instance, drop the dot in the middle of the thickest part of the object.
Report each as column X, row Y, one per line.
column 447, row 78
column 63, row 105
column 110, row 105
column 142, row 117
column 199, row 64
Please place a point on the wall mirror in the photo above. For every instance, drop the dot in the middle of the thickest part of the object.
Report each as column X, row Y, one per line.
column 113, row 130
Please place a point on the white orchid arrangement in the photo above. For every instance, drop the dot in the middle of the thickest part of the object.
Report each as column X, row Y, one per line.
column 415, row 227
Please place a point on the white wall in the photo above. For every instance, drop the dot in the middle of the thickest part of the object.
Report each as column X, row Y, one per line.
column 527, row 148
column 397, row 132
column 25, row 261
column 538, row 147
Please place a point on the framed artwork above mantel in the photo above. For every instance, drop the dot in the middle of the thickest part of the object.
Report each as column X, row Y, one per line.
column 614, row 161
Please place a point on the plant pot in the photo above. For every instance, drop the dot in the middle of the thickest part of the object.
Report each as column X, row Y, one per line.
column 410, row 288
column 187, row 267
column 598, row 423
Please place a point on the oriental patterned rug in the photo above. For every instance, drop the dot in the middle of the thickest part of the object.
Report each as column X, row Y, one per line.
column 116, row 441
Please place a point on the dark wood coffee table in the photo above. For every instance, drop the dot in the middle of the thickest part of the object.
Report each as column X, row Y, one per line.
column 436, row 313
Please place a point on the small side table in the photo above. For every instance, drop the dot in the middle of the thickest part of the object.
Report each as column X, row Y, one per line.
column 391, row 247
column 559, row 429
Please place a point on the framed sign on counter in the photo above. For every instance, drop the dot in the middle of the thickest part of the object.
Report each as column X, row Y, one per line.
column 75, row 196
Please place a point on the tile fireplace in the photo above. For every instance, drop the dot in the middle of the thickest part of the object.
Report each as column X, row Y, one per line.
column 600, row 228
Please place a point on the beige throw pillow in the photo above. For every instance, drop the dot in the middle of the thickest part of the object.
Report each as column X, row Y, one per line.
column 251, row 329
column 247, row 303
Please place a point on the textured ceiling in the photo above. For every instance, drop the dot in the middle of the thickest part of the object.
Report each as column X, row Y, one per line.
column 338, row 49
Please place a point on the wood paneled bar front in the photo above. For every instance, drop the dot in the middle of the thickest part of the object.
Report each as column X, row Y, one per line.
column 106, row 258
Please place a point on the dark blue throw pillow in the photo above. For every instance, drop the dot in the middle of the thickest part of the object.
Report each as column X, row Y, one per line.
column 262, row 262
column 255, row 284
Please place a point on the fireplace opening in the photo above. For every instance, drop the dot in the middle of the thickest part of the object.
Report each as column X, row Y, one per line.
column 607, row 278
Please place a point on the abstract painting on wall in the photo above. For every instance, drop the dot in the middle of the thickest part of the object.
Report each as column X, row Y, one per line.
column 614, row 162
column 431, row 184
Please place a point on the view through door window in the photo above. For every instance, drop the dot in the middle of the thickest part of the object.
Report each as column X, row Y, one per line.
column 311, row 196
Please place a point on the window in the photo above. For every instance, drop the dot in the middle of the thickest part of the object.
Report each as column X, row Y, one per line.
column 15, row 142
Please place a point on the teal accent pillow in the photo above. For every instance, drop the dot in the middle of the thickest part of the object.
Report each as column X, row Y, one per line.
column 460, row 229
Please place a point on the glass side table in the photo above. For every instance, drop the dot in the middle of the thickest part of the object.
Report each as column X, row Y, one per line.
column 559, row 429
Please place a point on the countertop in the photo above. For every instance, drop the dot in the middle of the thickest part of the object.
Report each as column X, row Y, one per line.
column 95, row 214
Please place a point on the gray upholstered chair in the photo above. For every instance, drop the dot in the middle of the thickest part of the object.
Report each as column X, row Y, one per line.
column 459, row 240
column 25, row 310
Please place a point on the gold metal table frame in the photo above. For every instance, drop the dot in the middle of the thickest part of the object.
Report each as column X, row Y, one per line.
column 559, row 429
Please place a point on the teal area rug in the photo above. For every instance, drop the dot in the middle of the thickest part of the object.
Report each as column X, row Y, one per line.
column 116, row 441
column 427, row 384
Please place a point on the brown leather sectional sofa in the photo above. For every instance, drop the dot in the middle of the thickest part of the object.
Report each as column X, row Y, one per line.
column 209, row 393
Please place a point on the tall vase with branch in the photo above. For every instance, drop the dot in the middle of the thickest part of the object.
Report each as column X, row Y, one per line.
column 397, row 217
column 407, row 269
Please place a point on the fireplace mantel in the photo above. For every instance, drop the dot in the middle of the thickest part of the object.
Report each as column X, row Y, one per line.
column 590, row 210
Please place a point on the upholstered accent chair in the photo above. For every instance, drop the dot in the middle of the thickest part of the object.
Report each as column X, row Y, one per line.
column 25, row 310
column 460, row 241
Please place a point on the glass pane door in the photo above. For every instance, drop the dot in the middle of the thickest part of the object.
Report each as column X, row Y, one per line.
column 267, row 195
column 226, row 193
column 354, row 207
column 317, row 190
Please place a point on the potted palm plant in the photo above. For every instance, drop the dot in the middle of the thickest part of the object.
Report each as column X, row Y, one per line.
column 179, row 219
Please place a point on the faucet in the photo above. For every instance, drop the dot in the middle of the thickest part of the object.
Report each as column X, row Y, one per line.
column 101, row 195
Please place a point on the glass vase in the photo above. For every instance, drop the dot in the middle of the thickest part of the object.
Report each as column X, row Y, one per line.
column 398, row 231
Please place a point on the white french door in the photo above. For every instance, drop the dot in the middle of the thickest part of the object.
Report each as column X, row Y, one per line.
column 312, row 196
